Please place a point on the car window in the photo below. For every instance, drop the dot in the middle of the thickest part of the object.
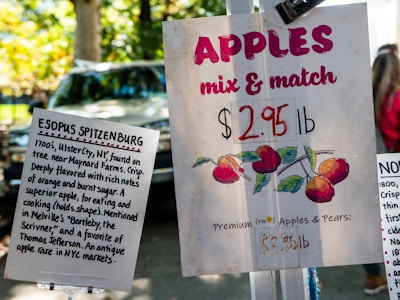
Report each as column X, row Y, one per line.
column 125, row 83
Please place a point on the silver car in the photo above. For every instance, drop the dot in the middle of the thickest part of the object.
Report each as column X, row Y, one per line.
column 132, row 93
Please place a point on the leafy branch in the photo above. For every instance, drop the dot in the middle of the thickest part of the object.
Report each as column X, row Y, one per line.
column 300, row 158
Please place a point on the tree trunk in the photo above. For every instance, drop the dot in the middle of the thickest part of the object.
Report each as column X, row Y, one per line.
column 88, row 30
column 145, row 15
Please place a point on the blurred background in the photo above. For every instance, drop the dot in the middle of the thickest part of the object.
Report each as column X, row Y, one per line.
column 42, row 41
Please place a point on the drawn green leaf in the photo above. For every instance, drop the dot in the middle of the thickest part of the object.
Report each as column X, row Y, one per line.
column 248, row 156
column 261, row 181
column 288, row 154
column 311, row 157
column 290, row 184
column 200, row 161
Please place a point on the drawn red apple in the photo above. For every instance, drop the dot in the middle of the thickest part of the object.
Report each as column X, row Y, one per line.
column 319, row 190
column 228, row 170
column 270, row 160
column 334, row 169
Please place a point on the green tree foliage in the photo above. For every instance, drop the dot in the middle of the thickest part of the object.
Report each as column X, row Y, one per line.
column 37, row 36
column 35, row 43
column 132, row 29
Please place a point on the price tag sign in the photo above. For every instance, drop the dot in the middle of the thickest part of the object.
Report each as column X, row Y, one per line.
column 278, row 244
column 82, row 201
column 260, row 120
column 389, row 194
column 273, row 141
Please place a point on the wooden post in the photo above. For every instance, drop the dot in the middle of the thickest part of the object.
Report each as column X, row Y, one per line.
column 293, row 281
column 294, row 284
column 239, row 7
column 263, row 284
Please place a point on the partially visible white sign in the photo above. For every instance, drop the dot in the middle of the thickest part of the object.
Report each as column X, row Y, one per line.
column 273, row 141
column 389, row 191
column 82, row 202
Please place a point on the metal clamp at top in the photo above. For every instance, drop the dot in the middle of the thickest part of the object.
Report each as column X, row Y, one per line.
column 292, row 9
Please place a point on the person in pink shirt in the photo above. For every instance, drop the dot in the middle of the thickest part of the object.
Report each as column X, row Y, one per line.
column 386, row 95
column 386, row 92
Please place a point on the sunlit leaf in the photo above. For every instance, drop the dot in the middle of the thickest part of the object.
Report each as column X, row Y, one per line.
column 261, row 181
column 290, row 184
column 248, row 156
column 200, row 161
column 312, row 158
column 288, row 154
